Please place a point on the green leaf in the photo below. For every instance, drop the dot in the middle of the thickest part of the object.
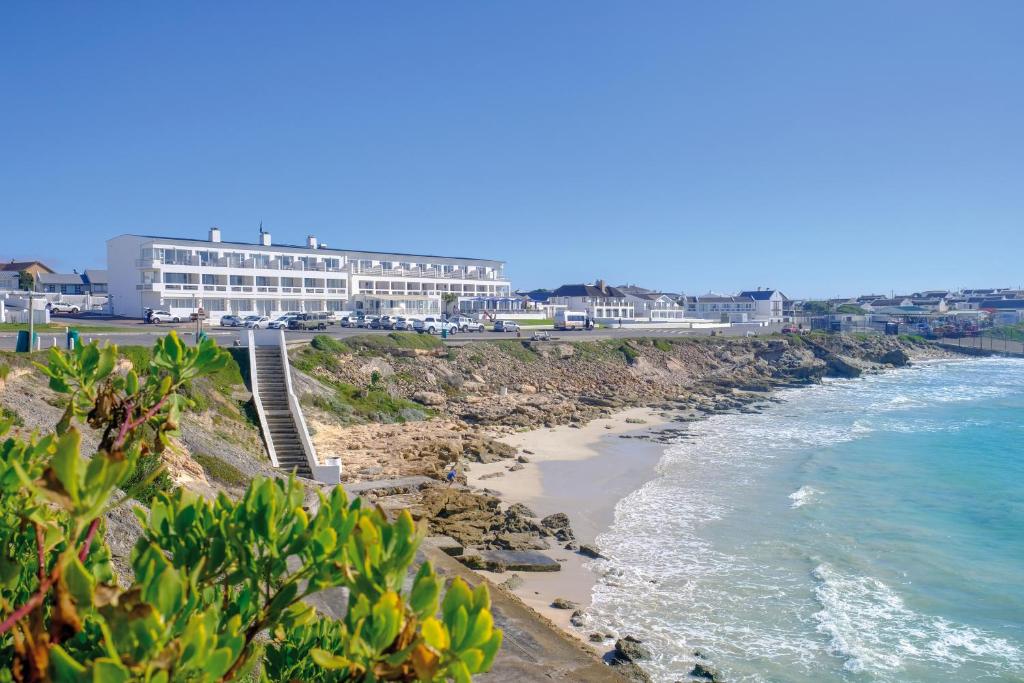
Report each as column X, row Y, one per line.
column 436, row 634
column 458, row 595
column 490, row 648
column 168, row 592
column 106, row 670
column 79, row 581
column 66, row 461
column 65, row 669
column 425, row 591
column 328, row 660
column 480, row 633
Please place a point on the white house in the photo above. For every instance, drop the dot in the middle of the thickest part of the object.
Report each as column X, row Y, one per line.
column 769, row 304
column 720, row 308
column 182, row 275
column 598, row 300
column 654, row 306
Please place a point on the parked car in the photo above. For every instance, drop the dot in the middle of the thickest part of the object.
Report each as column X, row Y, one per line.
column 790, row 329
column 367, row 321
column 404, row 324
column 350, row 321
column 231, row 321
column 281, row 322
column 467, row 324
column 434, row 325
column 311, row 321
column 62, row 307
column 506, row 326
column 385, row 322
column 163, row 317
column 257, row 322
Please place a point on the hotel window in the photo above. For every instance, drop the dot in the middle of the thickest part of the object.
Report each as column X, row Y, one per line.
column 209, row 279
column 266, row 281
column 178, row 303
column 313, row 282
column 289, row 306
column 241, row 305
column 214, row 304
column 336, row 284
column 176, row 278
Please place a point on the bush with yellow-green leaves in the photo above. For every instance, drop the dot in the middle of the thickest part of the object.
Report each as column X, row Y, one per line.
column 215, row 582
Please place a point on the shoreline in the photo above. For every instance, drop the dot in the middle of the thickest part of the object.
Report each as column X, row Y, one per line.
column 589, row 494
column 556, row 480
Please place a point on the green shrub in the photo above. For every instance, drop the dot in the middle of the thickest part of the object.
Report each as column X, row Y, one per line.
column 662, row 344
column 219, row 469
column 8, row 415
column 5, row 370
column 323, row 342
column 216, row 583
column 519, row 350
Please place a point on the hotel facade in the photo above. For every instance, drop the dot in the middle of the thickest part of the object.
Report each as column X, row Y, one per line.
column 182, row 275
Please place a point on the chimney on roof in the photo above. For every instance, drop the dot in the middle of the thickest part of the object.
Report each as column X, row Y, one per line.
column 215, row 234
column 323, row 245
column 311, row 241
column 600, row 285
column 264, row 236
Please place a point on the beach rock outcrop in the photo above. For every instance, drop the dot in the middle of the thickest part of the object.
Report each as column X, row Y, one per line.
column 704, row 673
column 588, row 550
column 631, row 649
column 896, row 357
column 562, row 603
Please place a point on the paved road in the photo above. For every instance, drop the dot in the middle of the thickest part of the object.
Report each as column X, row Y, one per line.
column 140, row 334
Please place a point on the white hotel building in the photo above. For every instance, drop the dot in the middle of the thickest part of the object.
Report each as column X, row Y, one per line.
column 181, row 275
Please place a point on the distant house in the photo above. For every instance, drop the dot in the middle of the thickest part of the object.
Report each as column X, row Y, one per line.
column 96, row 281
column 90, row 282
column 654, row 306
column 769, row 304
column 934, row 305
column 1002, row 305
column 10, row 272
column 597, row 300
column 720, row 307
column 897, row 302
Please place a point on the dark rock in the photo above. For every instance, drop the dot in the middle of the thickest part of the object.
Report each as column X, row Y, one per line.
column 513, row 560
column 523, row 459
column 631, row 671
column 704, row 673
column 631, row 649
column 897, row 357
column 588, row 550
column 521, row 510
column 516, row 468
column 562, row 603
column 559, row 520
column 577, row 619
column 595, row 637
column 564, row 535
column 572, row 545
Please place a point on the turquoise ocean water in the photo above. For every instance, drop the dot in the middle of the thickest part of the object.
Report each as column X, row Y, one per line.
column 862, row 530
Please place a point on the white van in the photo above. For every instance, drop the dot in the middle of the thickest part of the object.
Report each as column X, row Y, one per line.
column 570, row 320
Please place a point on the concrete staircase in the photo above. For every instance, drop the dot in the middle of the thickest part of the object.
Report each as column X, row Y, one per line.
column 281, row 430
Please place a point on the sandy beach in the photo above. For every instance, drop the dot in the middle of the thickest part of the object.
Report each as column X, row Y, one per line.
column 582, row 472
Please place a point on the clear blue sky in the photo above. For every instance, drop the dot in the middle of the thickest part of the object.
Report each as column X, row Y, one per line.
column 818, row 147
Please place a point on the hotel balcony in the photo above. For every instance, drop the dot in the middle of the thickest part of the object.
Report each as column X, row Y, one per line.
column 425, row 273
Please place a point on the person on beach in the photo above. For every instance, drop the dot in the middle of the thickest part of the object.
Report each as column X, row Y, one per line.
column 451, row 473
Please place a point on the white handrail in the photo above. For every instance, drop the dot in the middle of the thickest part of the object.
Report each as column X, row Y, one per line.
column 329, row 473
column 254, row 379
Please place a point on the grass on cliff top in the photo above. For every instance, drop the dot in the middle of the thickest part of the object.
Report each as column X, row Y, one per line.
column 59, row 329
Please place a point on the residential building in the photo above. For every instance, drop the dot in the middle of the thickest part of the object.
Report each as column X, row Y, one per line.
column 182, row 275
column 10, row 272
column 597, row 300
column 654, row 306
column 90, row 282
column 770, row 304
column 721, row 308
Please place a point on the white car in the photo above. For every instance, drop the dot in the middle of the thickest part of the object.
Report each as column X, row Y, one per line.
column 467, row 324
column 61, row 307
column 434, row 325
column 163, row 317
column 407, row 324
column 281, row 322
column 257, row 322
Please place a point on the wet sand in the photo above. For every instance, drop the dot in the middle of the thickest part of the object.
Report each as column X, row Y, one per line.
column 583, row 472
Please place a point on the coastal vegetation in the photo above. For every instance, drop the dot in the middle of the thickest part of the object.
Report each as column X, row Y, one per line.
column 217, row 587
